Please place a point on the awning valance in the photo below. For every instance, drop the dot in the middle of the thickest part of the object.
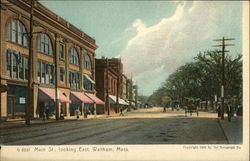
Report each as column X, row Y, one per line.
column 64, row 98
column 112, row 100
column 78, row 97
column 48, row 95
column 123, row 102
column 95, row 99
column 87, row 77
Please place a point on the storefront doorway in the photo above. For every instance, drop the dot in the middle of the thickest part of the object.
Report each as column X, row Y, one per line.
column 11, row 106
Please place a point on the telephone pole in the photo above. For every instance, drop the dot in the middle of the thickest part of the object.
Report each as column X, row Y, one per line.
column 29, row 102
column 223, row 51
column 56, row 80
column 107, row 85
column 118, row 86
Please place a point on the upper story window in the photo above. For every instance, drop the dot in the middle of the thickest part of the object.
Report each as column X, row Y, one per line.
column 87, row 62
column 16, row 65
column 61, row 51
column 45, row 45
column 88, row 82
column 74, row 56
column 16, row 33
column 62, row 74
column 74, row 79
column 45, row 73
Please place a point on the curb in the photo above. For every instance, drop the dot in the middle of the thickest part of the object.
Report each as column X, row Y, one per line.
column 222, row 129
column 34, row 123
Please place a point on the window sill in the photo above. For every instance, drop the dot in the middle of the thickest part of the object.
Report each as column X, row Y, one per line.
column 74, row 65
column 11, row 42
column 52, row 56
column 62, row 59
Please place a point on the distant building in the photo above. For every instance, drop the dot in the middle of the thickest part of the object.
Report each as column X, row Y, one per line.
column 130, row 93
column 135, row 95
column 53, row 36
column 124, row 89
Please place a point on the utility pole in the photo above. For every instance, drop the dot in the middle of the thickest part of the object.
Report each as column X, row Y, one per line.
column 29, row 102
column 118, row 86
column 56, row 80
column 107, row 85
column 223, row 51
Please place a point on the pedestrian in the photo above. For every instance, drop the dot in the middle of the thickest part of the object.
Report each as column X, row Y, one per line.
column 47, row 113
column 219, row 110
column 43, row 112
column 77, row 113
column 121, row 111
column 164, row 109
column 61, row 115
column 229, row 111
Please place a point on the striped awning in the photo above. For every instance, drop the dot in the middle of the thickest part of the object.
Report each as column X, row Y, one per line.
column 95, row 99
column 79, row 97
column 49, row 94
column 112, row 100
column 87, row 77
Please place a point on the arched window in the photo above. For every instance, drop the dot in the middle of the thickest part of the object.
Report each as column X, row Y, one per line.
column 16, row 32
column 45, row 45
column 74, row 57
column 87, row 62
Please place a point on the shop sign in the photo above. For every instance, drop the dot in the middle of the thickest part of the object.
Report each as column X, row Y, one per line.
column 22, row 100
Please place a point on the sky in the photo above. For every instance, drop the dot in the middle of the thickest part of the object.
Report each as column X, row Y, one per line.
column 153, row 38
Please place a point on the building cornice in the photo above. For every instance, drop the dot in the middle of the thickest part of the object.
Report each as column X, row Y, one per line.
column 44, row 14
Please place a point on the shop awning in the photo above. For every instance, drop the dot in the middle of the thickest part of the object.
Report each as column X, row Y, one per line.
column 48, row 94
column 95, row 99
column 91, row 80
column 78, row 97
column 112, row 100
column 123, row 102
column 63, row 98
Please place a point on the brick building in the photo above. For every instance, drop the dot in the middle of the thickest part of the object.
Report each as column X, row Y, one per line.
column 57, row 44
column 109, row 85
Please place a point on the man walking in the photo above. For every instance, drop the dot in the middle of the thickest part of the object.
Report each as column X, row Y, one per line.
column 164, row 109
column 121, row 111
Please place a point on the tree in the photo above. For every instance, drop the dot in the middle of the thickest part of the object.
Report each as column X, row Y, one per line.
column 202, row 78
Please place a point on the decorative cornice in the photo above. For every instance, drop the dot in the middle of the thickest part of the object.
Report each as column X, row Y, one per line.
column 44, row 14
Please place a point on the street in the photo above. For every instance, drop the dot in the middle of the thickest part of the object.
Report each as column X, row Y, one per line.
column 143, row 126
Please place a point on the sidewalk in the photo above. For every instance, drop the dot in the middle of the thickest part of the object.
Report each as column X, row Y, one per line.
column 233, row 130
column 21, row 122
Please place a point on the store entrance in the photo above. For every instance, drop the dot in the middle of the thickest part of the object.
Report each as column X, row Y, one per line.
column 11, row 106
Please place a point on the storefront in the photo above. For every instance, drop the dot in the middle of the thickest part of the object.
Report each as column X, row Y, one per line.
column 80, row 102
column 112, row 102
column 97, row 101
column 46, row 100
column 16, row 101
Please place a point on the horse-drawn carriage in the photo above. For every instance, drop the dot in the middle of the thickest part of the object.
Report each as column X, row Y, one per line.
column 191, row 105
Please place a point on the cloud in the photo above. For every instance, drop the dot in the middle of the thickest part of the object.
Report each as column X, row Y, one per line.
column 158, row 50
